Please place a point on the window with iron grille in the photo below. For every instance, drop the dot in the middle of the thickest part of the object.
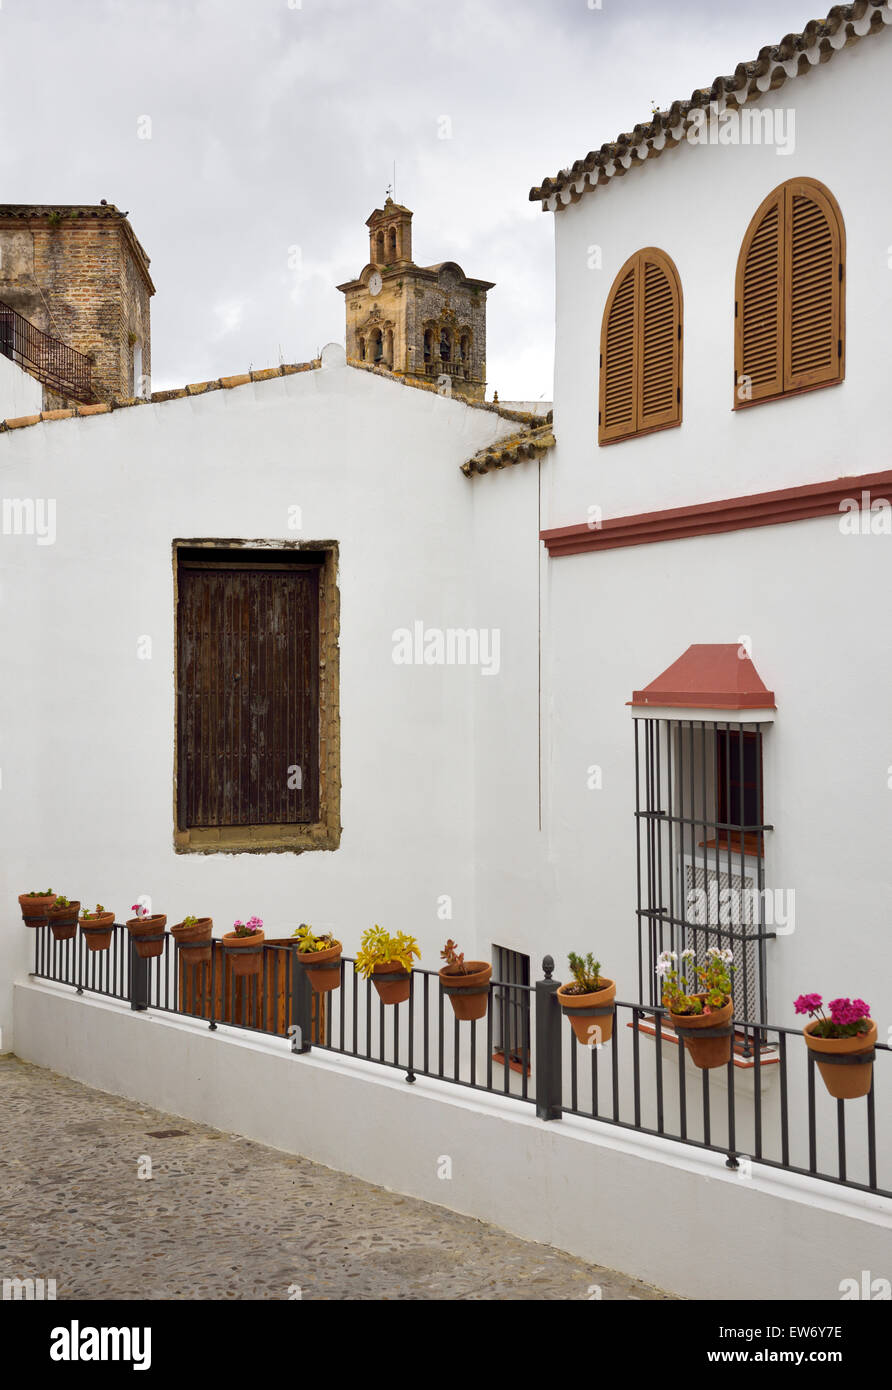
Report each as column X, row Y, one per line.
column 511, row 1006
column 701, row 851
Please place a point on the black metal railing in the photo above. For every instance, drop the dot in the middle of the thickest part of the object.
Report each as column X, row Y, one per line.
column 62, row 368
column 765, row 1107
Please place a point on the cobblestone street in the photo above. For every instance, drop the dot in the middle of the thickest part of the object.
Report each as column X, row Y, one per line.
column 224, row 1218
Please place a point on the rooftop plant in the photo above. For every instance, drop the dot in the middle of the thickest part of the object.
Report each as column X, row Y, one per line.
column 587, row 978
column 308, row 942
column 707, row 991
column 848, row 1017
column 378, row 947
column 249, row 928
column 452, row 956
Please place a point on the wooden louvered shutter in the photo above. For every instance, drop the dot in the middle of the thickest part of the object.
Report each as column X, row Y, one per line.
column 248, row 692
column 758, row 336
column 790, row 310
column 659, row 374
column 619, row 358
column 640, row 382
column 812, row 275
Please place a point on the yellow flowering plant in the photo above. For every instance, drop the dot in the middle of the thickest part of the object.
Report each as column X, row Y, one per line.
column 378, row 946
column 309, row 943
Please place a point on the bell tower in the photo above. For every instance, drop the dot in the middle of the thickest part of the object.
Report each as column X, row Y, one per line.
column 417, row 321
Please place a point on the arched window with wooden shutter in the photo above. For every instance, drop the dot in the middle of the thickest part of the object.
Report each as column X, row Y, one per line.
column 789, row 327
column 640, row 376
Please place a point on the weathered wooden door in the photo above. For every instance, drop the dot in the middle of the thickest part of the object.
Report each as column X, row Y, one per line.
column 248, row 693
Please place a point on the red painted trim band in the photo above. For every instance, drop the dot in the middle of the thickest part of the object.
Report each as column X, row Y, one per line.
column 710, row 518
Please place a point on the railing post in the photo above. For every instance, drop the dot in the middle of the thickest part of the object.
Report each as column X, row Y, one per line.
column 301, row 1028
column 139, row 979
column 549, row 1081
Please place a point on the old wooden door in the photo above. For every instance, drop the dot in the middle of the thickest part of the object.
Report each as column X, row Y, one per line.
column 248, row 691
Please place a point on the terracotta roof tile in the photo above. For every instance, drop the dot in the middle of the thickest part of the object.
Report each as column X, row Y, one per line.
column 20, row 421
column 795, row 55
column 513, row 449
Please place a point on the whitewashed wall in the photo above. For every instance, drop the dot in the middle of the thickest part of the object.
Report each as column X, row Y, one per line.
column 88, row 753
column 695, row 203
column 808, row 595
column 618, row 1199
column 20, row 394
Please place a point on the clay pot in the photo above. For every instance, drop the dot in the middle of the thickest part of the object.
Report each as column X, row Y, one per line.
column 590, row 1012
column 468, row 989
column 323, row 968
column 147, row 933
column 63, row 921
column 706, row 1052
column 187, row 937
column 244, row 953
column 392, row 982
column 844, row 1080
column 98, row 931
column 35, row 910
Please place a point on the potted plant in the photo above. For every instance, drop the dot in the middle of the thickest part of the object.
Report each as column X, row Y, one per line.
column 703, row 1019
column 387, row 960
column 321, row 958
column 62, row 918
column 843, row 1044
column 244, row 946
column 147, row 931
column 97, row 927
column 188, row 934
column 588, row 1000
column 35, row 906
column 465, row 982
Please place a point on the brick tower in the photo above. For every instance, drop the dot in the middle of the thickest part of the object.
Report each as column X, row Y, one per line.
column 79, row 278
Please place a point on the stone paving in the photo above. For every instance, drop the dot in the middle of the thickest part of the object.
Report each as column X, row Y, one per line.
column 225, row 1218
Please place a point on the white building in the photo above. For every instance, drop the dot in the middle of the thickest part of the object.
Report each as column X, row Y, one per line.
column 718, row 497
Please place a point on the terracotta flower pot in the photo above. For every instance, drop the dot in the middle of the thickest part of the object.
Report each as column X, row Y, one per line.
column 706, row 1051
column 848, row 1079
column 245, row 953
column 323, row 968
column 148, row 934
column 63, row 921
column 36, row 909
column 590, row 1015
column 468, row 989
column 392, row 982
column 98, row 931
column 187, row 938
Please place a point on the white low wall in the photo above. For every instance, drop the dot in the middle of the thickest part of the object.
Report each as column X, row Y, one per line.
column 613, row 1197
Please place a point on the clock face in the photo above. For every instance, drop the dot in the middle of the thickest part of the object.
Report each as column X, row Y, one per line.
column 375, row 282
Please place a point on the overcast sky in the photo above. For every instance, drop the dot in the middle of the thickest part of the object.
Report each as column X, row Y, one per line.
column 276, row 124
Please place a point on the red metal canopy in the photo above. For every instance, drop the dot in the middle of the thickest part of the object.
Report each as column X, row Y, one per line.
column 710, row 675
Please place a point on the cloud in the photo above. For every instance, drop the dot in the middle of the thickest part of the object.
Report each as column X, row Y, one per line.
column 274, row 126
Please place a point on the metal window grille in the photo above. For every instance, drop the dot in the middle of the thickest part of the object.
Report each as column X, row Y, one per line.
column 701, row 851
column 511, row 1007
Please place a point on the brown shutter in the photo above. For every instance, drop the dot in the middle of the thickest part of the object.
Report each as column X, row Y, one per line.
column 640, row 381
column 619, row 380
column 790, row 324
column 659, row 377
column 812, row 348
column 758, row 336
column 248, row 693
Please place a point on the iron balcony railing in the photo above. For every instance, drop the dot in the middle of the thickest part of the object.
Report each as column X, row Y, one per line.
column 766, row 1107
column 58, row 366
